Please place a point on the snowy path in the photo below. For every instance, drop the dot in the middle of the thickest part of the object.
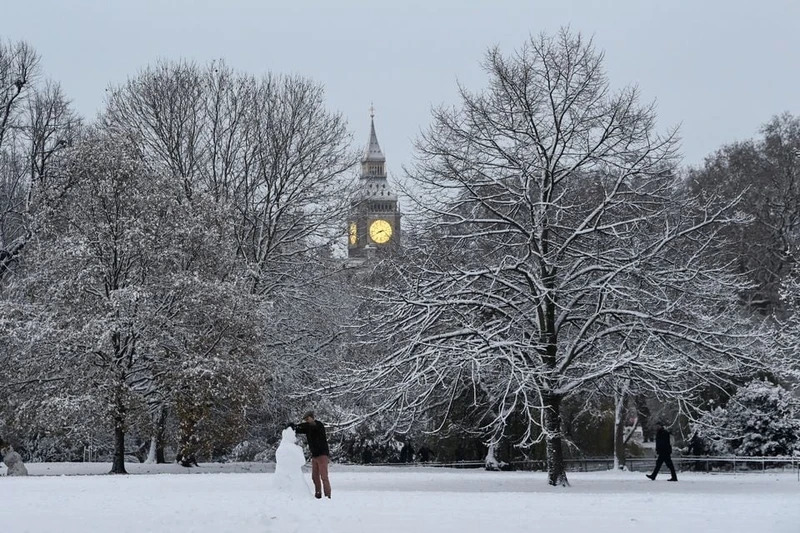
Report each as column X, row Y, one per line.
column 409, row 500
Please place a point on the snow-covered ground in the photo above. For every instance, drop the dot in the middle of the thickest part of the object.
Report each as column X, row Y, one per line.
column 231, row 498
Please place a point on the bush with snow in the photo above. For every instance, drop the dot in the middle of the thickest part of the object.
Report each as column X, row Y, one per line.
column 760, row 419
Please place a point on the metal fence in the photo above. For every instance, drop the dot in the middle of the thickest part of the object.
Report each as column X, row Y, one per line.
column 685, row 463
column 728, row 463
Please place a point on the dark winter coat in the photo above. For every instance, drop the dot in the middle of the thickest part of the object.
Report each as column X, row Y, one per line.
column 315, row 433
column 663, row 447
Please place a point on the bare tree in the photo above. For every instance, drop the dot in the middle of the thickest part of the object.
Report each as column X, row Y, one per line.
column 560, row 252
column 161, row 111
column 18, row 69
column 19, row 65
column 36, row 126
column 264, row 150
column 766, row 172
column 265, row 166
column 295, row 198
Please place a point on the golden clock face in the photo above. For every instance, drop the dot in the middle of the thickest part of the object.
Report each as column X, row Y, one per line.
column 353, row 233
column 380, row 231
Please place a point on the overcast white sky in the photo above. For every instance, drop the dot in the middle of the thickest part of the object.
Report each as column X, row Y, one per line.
column 718, row 68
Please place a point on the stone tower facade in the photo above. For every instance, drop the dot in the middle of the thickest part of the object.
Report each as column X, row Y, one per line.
column 374, row 221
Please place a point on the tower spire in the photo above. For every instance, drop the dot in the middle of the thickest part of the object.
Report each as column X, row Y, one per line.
column 373, row 150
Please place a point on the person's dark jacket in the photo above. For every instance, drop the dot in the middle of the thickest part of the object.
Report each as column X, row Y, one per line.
column 663, row 447
column 315, row 433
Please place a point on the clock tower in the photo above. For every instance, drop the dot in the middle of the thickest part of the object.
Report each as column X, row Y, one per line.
column 374, row 220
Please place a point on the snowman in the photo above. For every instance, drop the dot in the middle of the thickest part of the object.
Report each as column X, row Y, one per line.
column 289, row 459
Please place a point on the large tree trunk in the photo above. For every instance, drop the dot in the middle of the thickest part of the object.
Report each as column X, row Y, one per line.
column 556, row 474
column 118, row 467
column 619, row 436
column 620, row 414
column 160, row 452
column 160, row 445
column 156, row 452
column 643, row 418
column 189, row 443
column 151, row 452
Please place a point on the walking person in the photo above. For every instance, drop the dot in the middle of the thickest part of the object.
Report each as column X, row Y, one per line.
column 664, row 453
column 314, row 430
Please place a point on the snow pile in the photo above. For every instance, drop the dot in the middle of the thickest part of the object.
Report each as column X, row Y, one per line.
column 289, row 459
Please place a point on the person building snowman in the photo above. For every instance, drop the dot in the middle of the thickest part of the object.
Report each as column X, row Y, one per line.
column 314, row 430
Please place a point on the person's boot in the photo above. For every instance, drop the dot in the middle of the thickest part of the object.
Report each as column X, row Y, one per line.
column 652, row 477
column 673, row 478
column 318, row 496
